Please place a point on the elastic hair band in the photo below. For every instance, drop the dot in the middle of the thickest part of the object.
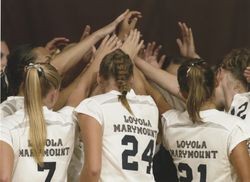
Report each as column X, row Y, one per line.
column 39, row 69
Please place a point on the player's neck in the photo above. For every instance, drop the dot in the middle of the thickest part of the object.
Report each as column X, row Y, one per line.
column 210, row 104
column 110, row 87
column 230, row 93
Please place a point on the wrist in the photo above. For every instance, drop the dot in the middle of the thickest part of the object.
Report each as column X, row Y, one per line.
column 196, row 56
column 98, row 35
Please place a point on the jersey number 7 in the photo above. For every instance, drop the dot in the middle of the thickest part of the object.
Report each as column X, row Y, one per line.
column 51, row 166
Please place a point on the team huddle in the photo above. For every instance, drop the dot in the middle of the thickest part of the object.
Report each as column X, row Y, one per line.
column 81, row 113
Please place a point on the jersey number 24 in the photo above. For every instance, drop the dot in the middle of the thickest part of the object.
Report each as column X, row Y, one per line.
column 146, row 156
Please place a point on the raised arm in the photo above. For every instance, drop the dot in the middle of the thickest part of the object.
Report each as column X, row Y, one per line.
column 159, row 76
column 88, row 78
column 159, row 99
column 128, row 24
column 65, row 60
column 186, row 42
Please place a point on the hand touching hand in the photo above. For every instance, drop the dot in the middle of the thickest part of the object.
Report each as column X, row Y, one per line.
column 112, row 26
column 128, row 23
column 132, row 44
column 186, row 43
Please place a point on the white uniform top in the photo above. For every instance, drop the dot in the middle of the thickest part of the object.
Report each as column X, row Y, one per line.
column 128, row 141
column 11, row 105
column 241, row 107
column 15, row 103
column 58, row 150
column 201, row 151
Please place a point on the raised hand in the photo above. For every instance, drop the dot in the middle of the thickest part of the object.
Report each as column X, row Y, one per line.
column 128, row 23
column 108, row 45
column 89, row 54
column 151, row 55
column 112, row 26
column 132, row 44
column 247, row 74
column 186, row 43
column 52, row 45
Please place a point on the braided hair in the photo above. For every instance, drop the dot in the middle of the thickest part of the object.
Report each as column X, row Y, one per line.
column 119, row 66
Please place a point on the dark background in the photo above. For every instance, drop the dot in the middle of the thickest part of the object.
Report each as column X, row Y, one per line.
column 218, row 25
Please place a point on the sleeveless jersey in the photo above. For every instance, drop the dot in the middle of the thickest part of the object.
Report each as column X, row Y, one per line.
column 58, row 149
column 11, row 105
column 128, row 140
column 201, row 151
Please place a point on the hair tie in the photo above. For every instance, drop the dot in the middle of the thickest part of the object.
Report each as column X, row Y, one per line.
column 39, row 69
column 198, row 62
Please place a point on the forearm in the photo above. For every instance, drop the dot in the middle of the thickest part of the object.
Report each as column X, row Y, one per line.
column 65, row 93
column 67, row 59
column 85, row 85
column 159, row 99
column 161, row 77
column 138, row 84
column 7, row 160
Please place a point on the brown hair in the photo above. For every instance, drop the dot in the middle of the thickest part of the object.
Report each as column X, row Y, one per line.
column 196, row 79
column 39, row 80
column 236, row 62
column 119, row 66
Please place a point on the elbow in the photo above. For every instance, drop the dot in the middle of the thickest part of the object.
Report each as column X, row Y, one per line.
column 94, row 172
column 5, row 179
column 90, row 174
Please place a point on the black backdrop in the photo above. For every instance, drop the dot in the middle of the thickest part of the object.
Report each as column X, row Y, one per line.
column 218, row 25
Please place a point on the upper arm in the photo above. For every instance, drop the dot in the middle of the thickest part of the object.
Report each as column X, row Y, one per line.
column 91, row 134
column 7, row 160
column 240, row 159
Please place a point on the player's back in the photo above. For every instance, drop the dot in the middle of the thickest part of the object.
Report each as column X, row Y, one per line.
column 201, row 151
column 58, row 149
column 128, row 140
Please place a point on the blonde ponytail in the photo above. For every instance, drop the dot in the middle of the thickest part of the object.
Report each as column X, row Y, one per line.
column 196, row 80
column 39, row 79
column 34, row 114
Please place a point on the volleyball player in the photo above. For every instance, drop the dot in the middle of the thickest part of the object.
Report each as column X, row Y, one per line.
column 118, row 128
column 233, row 85
column 37, row 143
column 206, row 144
column 232, row 91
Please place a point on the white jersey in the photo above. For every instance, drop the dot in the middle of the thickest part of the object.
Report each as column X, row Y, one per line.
column 201, row 151
column 11, row 105
column 58, row 149
column 240, row 107
column 128, row 140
